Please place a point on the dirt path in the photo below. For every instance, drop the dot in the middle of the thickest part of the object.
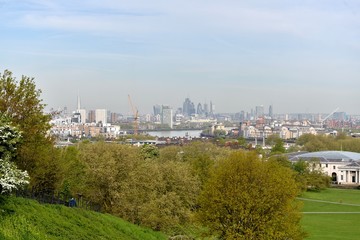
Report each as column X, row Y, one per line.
column 322, row 201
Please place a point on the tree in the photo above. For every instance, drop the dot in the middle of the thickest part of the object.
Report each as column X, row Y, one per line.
column 151, row 192
column 21, row 102
column 247, row 198
column 278, row 147
column 242, row 141
column 149, row 151
column 10, row 176
column 309, row 176
column 10, row 138
column 277, row 144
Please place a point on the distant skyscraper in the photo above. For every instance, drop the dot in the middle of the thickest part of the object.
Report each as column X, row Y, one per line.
column 81, row 111
column 114, row 117
column 188, row 107
column 167, row 116
column 91, row 116
column 82, row 115
column 259, row 111
column 199, row 109
column 271, row 114
column 157, row 109
column 101, row 116
column 212, row 108
column 206, row 109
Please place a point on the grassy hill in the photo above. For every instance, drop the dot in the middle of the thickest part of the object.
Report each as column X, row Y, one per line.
column 27, row 219
column 332, row 214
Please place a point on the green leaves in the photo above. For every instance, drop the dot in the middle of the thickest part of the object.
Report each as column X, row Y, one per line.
column 10, row 176
column 247, row 198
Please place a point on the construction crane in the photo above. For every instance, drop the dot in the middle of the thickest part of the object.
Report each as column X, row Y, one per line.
column 323, row 120
column 136, row 115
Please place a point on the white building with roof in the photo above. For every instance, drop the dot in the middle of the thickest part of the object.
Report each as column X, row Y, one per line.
column 343, row 167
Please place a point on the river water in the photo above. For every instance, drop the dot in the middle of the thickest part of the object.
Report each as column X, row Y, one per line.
column 175, row 133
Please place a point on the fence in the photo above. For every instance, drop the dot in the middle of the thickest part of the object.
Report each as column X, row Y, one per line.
column 61, row 199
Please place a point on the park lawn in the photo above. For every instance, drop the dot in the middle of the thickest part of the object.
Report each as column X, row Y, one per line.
column 332, row 226
column 351, row 196
column 27, row 219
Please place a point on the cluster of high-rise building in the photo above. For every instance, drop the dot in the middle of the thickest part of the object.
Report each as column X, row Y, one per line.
column 166, row 115
column 84, row 123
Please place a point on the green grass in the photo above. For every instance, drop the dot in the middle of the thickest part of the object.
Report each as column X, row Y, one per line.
column 332, row 226
column 336, row 195
column 27, row 219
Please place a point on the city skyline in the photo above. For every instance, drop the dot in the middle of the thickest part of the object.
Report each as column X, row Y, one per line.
column 299, row 56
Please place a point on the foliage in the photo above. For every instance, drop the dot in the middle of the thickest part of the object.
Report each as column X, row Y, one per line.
column 27, row 219
column 281, row 159
column 277, row 144
column 246, row 198
column 278, row 147
column 342, row 142
column 20, row 100
column 153, row 193
column 310, row 176
column 242, row 141
column 149, row 151
column 10, row 137
column 202, row 156
column 11, row 177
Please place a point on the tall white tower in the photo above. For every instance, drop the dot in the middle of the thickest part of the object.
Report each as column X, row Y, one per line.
column 81, row 111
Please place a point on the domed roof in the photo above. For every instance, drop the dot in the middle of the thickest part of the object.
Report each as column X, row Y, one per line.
column 329, row 156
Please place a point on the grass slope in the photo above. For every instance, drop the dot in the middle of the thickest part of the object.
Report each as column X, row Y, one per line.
column 343, row 224
column 27, row 219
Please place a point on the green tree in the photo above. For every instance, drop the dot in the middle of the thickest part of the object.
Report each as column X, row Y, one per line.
column 156, row 193
column 247, row 198
column 10, row 176
column 278, row 147
column 310, row 176
column 10, row 138
column 149, row 151
column 21, row 101
column 276, row 143
column 202, row 156
column 242, row 141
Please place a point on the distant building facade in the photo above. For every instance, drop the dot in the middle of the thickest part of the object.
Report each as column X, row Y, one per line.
column 101, row 116
column 167, row 116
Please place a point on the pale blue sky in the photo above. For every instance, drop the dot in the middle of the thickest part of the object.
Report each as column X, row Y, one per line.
column 298, row 55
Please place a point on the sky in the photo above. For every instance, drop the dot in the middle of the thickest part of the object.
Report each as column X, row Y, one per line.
column 300, row 56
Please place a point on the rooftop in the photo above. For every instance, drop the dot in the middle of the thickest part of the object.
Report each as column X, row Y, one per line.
column 328, row 156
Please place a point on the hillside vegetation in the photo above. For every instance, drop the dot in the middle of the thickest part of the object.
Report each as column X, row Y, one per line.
column 27, row 219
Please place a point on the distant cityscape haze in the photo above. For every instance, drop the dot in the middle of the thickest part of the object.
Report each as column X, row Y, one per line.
column 299, row 56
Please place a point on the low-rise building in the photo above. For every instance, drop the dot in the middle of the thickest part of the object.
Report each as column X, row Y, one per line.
column 343, row 167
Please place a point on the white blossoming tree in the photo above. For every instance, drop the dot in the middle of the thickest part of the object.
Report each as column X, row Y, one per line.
column 11, row 177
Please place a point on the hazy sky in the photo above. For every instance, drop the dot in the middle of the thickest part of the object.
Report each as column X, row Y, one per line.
column 298, row 55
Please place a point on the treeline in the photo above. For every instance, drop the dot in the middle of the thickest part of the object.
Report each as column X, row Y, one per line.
column 341, row 142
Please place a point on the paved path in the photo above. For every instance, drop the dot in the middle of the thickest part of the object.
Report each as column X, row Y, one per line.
column 314, row 200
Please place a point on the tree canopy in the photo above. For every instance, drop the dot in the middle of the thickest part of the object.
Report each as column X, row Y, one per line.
column 10, row 176
column 20, row 100
column 247, row 198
